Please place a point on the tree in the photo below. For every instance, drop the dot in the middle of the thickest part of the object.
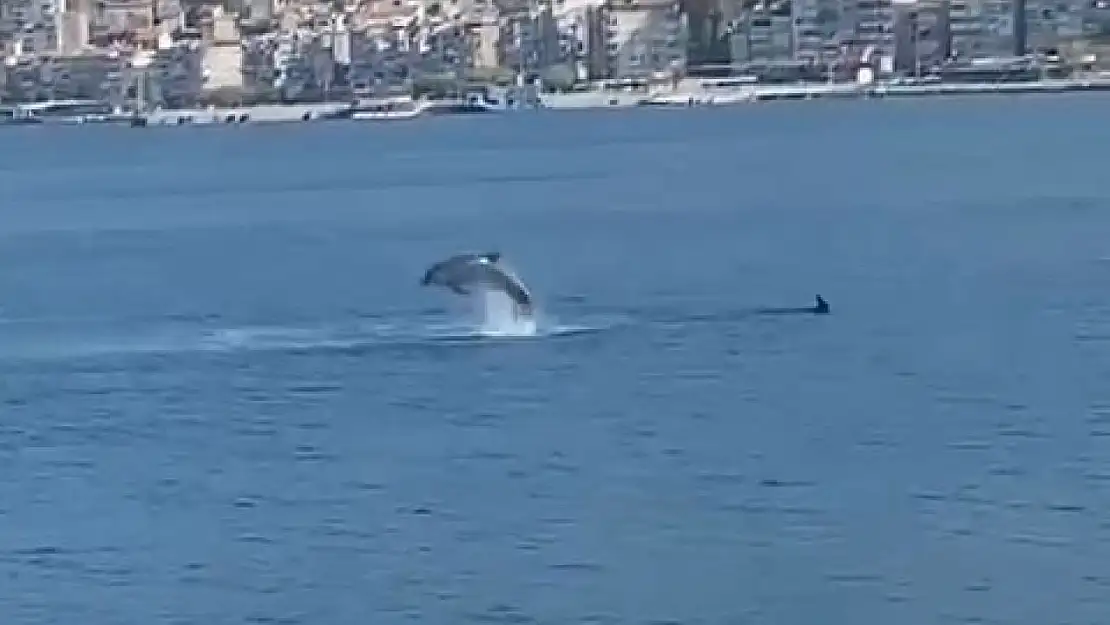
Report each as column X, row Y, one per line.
column 487, row 75
column 559, row 77
column 435, row 86
column 226, row 97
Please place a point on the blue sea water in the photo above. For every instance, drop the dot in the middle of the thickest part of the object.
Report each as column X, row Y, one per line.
column 225, row 398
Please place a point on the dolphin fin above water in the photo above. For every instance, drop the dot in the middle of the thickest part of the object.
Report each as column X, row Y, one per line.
column 820, row 307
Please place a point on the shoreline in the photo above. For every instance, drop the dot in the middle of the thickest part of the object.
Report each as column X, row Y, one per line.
column 689, row 94
column 702, row 94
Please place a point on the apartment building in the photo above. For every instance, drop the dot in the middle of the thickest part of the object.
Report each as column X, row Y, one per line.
column 644, row 38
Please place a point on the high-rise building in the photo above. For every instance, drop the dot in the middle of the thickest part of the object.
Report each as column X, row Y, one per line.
column 817, row 30
column 123, row 17
column 72, row 25
column 1051, row 25
column 921, row 35
column 763, row 33
column 29, row 27
column 644, row 39
column 984, row 29
column 869, row 31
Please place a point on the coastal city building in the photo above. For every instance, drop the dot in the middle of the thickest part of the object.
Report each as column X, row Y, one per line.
column 816, row 30
column 763, row 33
column 984, row 29
column 873, row 25
column 644, row 39
column 119, row 18
column 1049, row 26
column 922, row 36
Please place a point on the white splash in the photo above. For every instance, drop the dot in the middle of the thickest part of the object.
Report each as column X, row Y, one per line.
column 499, row 317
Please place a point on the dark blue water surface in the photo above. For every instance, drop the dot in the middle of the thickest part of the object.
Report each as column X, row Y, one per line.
column 226, row 399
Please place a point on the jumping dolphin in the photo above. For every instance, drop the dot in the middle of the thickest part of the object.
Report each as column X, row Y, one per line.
column 462, row 272
column 453, row 272
column 821, row 307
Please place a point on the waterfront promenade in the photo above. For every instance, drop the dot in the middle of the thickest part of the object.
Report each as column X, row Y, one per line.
column 704, row 93
column 688, row 93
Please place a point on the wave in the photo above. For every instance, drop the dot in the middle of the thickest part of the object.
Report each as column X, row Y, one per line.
column 57, row 341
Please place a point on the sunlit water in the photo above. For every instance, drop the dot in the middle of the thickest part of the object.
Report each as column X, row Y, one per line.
column 225, row 399
column 499, row 317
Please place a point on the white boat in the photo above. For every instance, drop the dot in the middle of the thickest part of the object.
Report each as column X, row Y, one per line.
column 12, row 116
column 397, row 108
column 404, row 107
column 72, row 112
